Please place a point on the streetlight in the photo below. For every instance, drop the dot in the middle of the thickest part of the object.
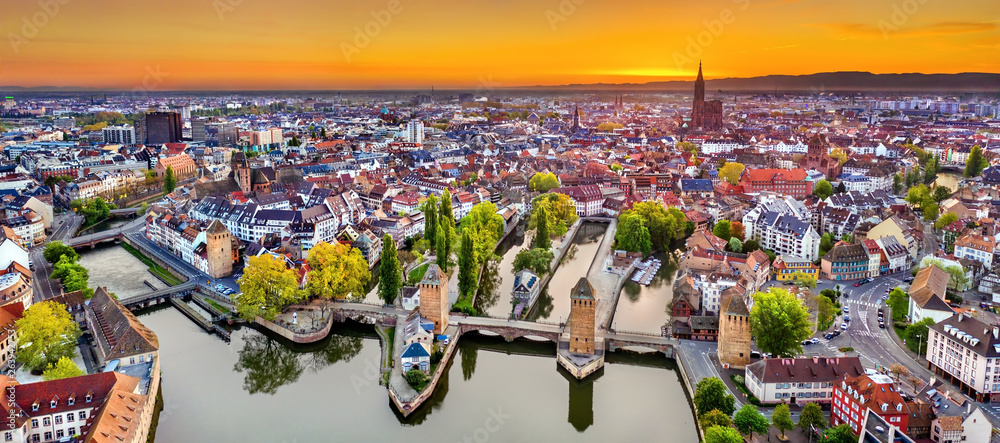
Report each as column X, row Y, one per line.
column 919, row 345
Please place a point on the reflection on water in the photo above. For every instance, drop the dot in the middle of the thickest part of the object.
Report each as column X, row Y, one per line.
column 330, row 392
column 494, row 297
column 949, row 179
column 269, row 364
column 644, row 308
column 553, row 303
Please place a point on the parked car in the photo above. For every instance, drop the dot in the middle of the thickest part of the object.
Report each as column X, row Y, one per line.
column 806, row 342
column 847, row 318
column 814, row 340
column 836, row 333
column 846, row 310
column 908, row 280
column 829, row 335
column 843, row 326
column 881, row 325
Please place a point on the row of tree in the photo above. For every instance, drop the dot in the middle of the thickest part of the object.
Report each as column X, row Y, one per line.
column 74, row 277
column 648, row 227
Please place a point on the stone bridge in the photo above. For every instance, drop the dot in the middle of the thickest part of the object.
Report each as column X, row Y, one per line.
column 116, row 235
column 160, row 296
column 511, row 332
column 615, row 340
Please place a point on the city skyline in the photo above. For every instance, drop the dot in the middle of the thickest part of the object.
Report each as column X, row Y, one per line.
column 246, row 45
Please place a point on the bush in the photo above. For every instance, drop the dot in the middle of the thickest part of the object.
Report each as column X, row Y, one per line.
column 465, row 307
column 846, row 349
column 738, row 379
column 437, row 356
column 953, row 298
column 416, row 378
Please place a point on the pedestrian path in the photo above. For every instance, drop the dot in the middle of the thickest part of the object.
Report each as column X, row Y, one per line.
column 871, row 304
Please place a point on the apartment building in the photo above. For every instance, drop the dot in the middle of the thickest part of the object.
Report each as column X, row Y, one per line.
column 799, row 380
column 966, row 352
column 976, row 247
column 854, row 397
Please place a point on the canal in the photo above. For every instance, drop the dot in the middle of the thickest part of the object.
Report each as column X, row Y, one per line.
column 553, row 303
column 259, row 389
column 949, row 179
column 496, row 285
column 644, row 308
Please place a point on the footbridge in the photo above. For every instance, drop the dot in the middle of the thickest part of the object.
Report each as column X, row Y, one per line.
column 159, row 296
column 115, row 234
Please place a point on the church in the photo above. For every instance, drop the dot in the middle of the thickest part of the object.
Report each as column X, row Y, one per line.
column 818, row 158
column 705, row 115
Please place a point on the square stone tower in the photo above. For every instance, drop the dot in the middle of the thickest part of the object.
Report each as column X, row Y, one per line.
column 434, row 298
column 734, row 330
column 219, row 250
column 581, row 318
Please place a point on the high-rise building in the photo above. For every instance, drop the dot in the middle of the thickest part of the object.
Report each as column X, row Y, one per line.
column 415, row 131
column 221, row 133
column 705, row 115
column 119, row 135
column 162, row 127
column 581, row 318
column 198, row 133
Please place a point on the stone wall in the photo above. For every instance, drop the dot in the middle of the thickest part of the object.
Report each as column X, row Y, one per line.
column 296, row 337
column 407, row 408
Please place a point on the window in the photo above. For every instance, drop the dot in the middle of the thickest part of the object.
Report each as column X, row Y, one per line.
column 83, row 415
column 69, row 417
column 52, row 404
column 71, row 401
column 34, row 423
column 90, row 397
column 46, row 422
column 60, row 434
column 35, row 438
column 71, row 431
column 58, row 419
column 48, row 435
column 7, row 436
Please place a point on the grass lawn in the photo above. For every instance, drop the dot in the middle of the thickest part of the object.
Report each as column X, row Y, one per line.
column 417, row 274
column 749, row 396
column 217, row 306
column 156, row 269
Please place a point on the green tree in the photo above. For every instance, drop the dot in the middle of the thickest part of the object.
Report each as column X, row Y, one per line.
column 803, row 279
column 169, row 181
column 617, row 168
column 918, row 195
column 338, row 270
column 560, row 212
column 931, row 169
column 826, row 310
column 294, row 142
column 931, row 210
column 825, row 244
column 64, row 368
column 840, row 434
column 714, row 418
column 897, row 183
column 722, row 434
column 711, row 394
column 446, row 215
column 468, row 272
column 416, row 379
column 942, row 193
column 823, row 189
column 390, row 273
column 731, row 172
column 485, row 227
column 687, row 146
column 722, row 230
column 543, row 182
column 542, row 238
column 536, row 260
column 443, row 247
column 632, row 234
column 811, row 417
column 54, row 251
column 735, row 245
column 945, row 220
column 430, row 221
column 750, row 246
column 899, row 303
column 266, row 287
column 780, row 322
column 975, row 163
column 781, row 419
column 46, row 333
column 916, row 335
column 749, row 420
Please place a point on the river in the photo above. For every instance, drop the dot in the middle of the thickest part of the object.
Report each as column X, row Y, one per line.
column 949, row 179
column 257, row 389
column 495, row 291
column 553, row 303
column 644, row 308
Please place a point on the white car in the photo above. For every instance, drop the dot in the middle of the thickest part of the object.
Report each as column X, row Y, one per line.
column 843, row 326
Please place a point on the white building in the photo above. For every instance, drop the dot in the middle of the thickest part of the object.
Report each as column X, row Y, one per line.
column 799, row 380
column 968, row 351
column 976, row 247
column 415, row 131
column 781, row 224
column 119, row 135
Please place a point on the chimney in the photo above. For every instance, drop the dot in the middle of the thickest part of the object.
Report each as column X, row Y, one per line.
column 996, row 333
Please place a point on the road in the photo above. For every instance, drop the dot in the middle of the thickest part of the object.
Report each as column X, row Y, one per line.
column 63, row 227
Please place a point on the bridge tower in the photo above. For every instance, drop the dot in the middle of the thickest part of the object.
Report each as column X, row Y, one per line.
column 218, row 249
column 581, row 318
column 734, row 331
column 434, row 298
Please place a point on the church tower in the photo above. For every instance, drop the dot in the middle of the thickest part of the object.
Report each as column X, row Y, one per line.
column 576, row 118
column 581, row 318
column 699, row 86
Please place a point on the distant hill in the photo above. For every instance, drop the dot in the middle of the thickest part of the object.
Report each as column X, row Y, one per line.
column 820, row 82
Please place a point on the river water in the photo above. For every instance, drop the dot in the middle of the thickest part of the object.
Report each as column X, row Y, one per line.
column 949, row 179
column 644, row 308
column 258, row 389
column 553, row 303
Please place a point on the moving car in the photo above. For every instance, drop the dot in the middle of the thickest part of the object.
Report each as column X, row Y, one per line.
column 843, row 326
column 846, row 310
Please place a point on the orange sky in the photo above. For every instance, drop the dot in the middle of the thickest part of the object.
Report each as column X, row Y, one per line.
column 311, row 44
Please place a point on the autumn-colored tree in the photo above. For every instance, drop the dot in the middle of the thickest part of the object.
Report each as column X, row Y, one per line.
column 46, row 333
column 266, row 287
column 731, row 172
column 737, row 230
column 338, row 270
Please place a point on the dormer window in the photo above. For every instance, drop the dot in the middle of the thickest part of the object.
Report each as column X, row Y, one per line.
column 89, row 397
column 71, row 401
column 52, row 404
column 34, row 406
